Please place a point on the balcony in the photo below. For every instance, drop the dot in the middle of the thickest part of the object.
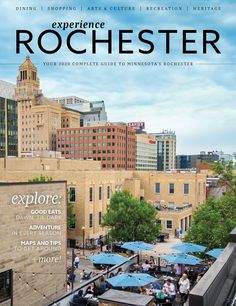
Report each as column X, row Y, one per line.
column 176, row 209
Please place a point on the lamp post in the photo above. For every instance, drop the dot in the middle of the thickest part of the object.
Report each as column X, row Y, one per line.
column 83, row 230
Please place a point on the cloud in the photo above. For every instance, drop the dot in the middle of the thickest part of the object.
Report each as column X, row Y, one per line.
column 198, row 101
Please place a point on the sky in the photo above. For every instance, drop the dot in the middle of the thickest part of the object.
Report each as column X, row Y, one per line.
column 198, row 102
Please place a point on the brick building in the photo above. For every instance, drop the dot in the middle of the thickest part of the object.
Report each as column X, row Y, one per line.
column 113, row 145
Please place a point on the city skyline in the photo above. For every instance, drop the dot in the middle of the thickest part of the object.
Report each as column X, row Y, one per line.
column 195, row 102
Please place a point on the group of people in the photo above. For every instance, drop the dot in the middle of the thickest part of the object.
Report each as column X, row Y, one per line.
column 180, row 285
column 149, row 265
column 93, row 290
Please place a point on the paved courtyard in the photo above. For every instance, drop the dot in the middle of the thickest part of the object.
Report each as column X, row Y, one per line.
column 162, row 248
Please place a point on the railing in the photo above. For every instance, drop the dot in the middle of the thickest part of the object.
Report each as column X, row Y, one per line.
column 67, row 297
column 176, row 209
column 218, row 285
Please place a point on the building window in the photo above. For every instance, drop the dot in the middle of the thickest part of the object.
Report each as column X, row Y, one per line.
column 169, row 224
column 100, row 193
column 171, row 188
column 90, row 220
column 108, row 192
column 100, row 218
column 72, row 194
column 186, row 188
column 90, row 194
column 5, row 285
column 157, row 187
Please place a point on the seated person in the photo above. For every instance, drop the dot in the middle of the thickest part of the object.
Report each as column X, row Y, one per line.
column 86, row 275
column 79, row 300
column 152, row 261
column 169, row 290
column 102, row 286
column 120, row 271
column 156, row 286
column 146, row 266
column 91, row 289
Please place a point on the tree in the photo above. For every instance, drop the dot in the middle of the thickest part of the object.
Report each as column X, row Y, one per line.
column 71, row 218
column 226, row 174
column 41, row 178
column 215, row 219
column 131, row 219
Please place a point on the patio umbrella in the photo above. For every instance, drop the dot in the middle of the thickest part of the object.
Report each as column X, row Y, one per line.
column 136, row 246
column 107, row 259
column 215, row 252
column 131, row 280
column 189, row 247
column 184, row 259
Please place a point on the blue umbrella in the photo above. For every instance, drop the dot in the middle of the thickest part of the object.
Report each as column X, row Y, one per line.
column 136, row 246
column 107, row 259
column 184, row 259
column 215, row 252
column 189, row 247
column 131, row 280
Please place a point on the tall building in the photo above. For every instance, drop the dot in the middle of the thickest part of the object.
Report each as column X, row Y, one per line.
column 192, row 161
column 38, row 117
column 186, row 161
column 90, row 111
column 166, row 150
column 114, row 145
column 146, row 154
column 8, row 121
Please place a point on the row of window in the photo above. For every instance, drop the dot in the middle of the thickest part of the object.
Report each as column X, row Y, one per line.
column 97, row 144
column 185, row 223
column 72, row 193
column 90, row 220
column 81, row 138
column 95, row 130
column 171, row 188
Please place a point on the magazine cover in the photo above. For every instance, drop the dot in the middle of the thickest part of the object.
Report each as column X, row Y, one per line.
column 117, row 152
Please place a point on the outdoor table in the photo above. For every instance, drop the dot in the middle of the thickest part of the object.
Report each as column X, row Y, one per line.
column 161, row 298
column 92, row 301
column 88, row 296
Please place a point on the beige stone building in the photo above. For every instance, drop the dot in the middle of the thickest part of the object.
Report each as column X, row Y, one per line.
column 33, row 242
column 38, row 117
column 146, row 152
column 174, row 194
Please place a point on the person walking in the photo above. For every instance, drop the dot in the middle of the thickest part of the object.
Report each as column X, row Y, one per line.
column 76, row 261
column 184, row 286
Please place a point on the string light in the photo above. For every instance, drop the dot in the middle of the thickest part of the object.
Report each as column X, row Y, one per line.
column 35, row 290
column 40, row 273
